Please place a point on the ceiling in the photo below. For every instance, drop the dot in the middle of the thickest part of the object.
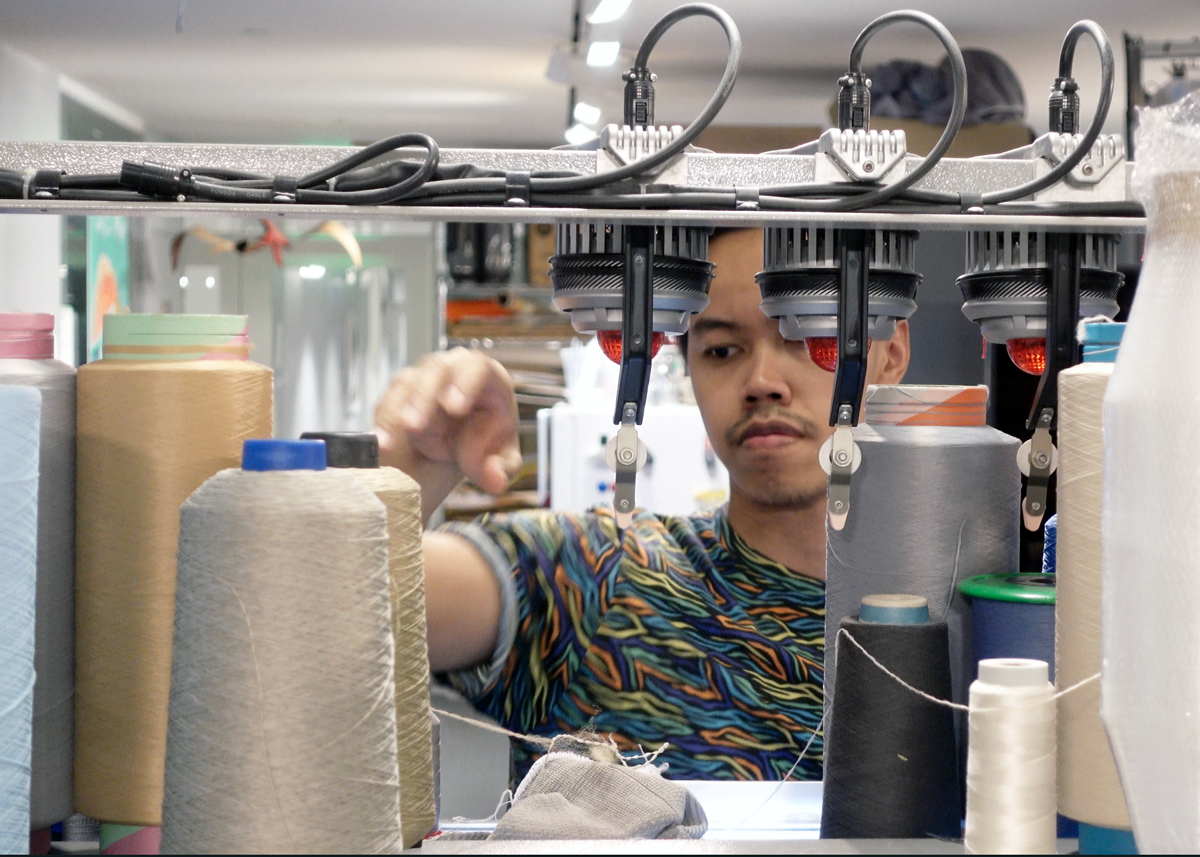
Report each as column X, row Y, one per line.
column 473, row 72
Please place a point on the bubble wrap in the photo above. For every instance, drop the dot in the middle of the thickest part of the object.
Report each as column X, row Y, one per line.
column 1150, row 694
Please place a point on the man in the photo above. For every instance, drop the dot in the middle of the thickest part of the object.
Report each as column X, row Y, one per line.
column 706, row 633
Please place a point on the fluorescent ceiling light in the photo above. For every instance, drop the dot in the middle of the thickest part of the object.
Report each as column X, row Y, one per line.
column 312, row 272
column 579, row 134
column 603, row 53
column 608, row 10
column 586, row 113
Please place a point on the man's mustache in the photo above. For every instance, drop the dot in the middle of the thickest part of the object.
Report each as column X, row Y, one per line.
column 771, row 412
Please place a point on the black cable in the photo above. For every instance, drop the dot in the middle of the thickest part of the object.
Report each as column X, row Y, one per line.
column 958, row 110
column 370, row 153
column 1069, row 163
column 715, row 103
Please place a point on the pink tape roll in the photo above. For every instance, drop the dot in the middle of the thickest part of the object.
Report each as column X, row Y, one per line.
column 27, row 334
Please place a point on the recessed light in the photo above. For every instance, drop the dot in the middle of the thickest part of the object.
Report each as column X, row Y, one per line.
column 608, row 10
column 579, row 134
column 603, row 53
column 587, row 113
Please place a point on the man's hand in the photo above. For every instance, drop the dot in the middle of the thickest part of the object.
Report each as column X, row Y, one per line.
column 451, row 416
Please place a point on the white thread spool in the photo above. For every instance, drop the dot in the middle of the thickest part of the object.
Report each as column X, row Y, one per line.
column 26, row 360
column 20, row 410
column 1088, row 787
column 1011, row 759
column 282, row 726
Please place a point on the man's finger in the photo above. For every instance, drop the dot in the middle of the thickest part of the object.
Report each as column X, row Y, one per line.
column 472, row 380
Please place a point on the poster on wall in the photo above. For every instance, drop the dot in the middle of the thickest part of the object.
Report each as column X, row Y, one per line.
column 107, row 275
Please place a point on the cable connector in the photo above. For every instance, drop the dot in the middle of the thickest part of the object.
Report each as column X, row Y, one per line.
column 854, row 102
column 639, row 97
column 1064, row 106
column 156, row 180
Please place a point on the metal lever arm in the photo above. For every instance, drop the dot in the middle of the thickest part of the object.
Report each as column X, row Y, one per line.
column 1062, row 315
column 854, row 275
column 850, row 380
column 637, row 329
column 1064, row 253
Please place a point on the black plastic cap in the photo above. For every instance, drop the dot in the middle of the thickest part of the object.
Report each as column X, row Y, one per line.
column 347, row 448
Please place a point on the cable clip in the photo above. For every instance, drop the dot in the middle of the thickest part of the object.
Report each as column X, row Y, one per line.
column 970, row 203
column 745, row 198
column 517, row 187
column 45, row 184
column 284, row 189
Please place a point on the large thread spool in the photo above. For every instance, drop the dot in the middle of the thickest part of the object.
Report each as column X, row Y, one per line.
column 282, row 731
column 401, row 496
column 1011, row 759
column 27, row 359
column 20, row 414
column 1013, row 616
column 934, row 501
column 891, row 765
column 167, row 407
column 1089, row 789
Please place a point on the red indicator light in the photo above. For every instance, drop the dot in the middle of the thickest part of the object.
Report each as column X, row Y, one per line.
column 1029, row 355
column 610, row 344
column 823, row 350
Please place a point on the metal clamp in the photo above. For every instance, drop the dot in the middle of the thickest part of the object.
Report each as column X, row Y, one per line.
column 1038, row 459
column 626, row 455
column 840, row 457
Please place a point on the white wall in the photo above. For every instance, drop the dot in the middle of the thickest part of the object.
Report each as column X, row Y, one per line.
column 30, row 245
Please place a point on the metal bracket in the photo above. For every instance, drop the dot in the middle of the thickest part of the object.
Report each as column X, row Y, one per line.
column 1097, row 173
column 840, row 457
column 860, row 156
column 621, row 145
column 1038, row 459
column 626, row 455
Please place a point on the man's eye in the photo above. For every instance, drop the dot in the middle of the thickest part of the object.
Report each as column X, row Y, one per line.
column 720, row 352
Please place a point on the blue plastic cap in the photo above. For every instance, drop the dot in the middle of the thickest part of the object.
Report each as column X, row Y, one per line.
column 894, row 609
column 283, row 455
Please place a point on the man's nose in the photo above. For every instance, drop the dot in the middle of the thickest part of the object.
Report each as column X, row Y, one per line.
column 766, row 381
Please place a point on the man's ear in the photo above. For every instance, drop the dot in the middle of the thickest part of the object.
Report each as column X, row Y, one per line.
column 893, row 356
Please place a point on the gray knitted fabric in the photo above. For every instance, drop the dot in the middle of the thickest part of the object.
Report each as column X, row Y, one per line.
column 569, row 796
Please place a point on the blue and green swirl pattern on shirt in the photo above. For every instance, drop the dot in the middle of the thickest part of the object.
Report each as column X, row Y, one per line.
column 675, row 632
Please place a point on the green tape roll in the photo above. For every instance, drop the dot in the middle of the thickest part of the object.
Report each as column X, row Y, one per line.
column 1023, row 588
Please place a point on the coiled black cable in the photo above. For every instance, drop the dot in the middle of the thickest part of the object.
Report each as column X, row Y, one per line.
column 1107, row 75
column 733, row 62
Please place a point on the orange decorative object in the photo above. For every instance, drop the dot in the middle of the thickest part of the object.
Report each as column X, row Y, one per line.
column 1029, row 355
column 610, row 344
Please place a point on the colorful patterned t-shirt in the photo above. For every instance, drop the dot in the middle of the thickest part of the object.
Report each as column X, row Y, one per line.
column 676, row 631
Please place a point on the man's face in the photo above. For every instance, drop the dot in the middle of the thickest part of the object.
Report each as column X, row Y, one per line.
column 764, row 402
